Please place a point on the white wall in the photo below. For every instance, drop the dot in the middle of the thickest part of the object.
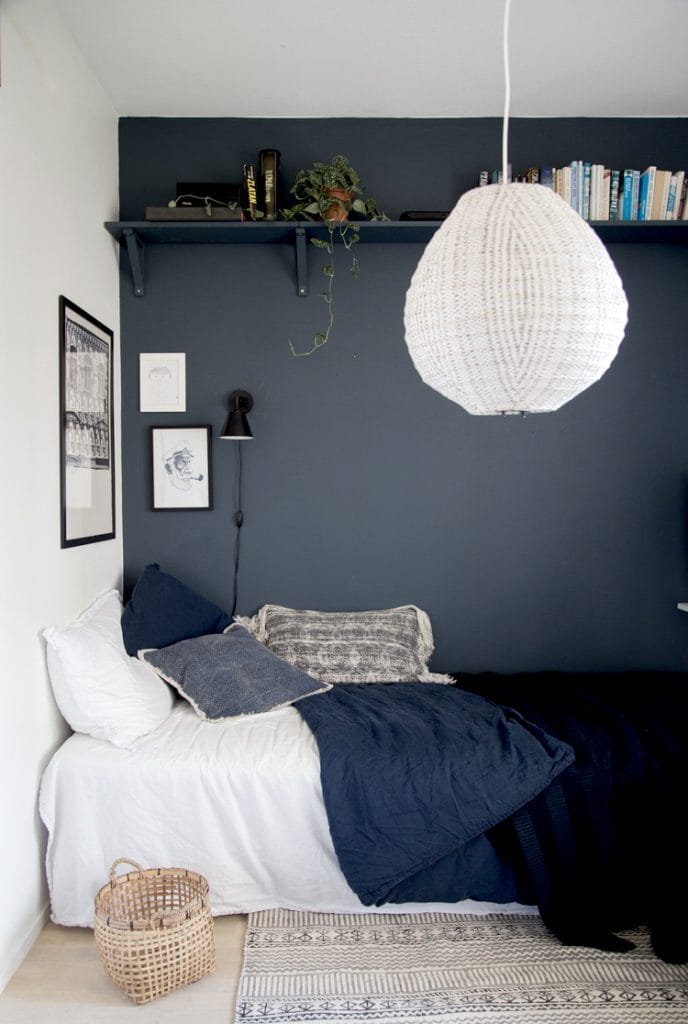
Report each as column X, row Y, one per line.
column 58, row 183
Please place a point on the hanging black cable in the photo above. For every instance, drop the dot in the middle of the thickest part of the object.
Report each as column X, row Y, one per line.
column 237, row 429
column 238, row 522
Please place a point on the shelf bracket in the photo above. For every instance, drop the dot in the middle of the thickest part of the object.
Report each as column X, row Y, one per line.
column 300, row 242
column 136, row 252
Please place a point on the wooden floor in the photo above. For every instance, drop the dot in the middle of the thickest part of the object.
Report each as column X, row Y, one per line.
column 62, row 979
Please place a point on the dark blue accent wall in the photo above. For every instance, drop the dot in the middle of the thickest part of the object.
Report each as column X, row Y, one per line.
column 547, row 542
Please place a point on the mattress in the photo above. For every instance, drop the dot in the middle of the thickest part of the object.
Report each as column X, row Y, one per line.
column 238, row 801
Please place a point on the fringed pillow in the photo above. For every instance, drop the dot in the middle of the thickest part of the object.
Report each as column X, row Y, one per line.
column 385, row 646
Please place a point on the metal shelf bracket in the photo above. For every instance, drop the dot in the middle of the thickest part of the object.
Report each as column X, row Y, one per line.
column 300, row 242
column 136, row 252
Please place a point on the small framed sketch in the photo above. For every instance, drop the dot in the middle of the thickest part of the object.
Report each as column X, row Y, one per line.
column 162, row 382
column 181, row 471
column 87, row 464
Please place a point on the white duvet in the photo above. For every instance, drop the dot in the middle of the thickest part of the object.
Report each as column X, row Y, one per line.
column 240, row 802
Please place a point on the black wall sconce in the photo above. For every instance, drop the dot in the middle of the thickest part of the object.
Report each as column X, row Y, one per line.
column 236, row 428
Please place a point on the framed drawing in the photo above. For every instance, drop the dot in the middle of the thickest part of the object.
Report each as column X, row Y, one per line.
column 162, row 382
column 87, row 463
column 181, row 472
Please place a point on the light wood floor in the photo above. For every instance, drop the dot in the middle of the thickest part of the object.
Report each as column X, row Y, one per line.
column 62, row 979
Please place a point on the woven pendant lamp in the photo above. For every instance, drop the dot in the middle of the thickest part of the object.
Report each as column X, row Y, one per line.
column 515, row 305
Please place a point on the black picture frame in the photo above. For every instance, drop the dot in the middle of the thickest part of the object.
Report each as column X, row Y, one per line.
column 181, row 468
column 87, row 427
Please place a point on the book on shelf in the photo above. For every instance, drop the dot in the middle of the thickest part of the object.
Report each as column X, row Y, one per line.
column 269, row 181
column 250, row 190
column 600, row 193
column 661, row 195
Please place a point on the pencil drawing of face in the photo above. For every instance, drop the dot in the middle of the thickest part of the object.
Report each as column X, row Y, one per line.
column 162, row 383
column 180, row 466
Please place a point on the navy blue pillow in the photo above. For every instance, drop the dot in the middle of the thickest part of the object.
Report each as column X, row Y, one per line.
column 163, row 610
column 231, row 675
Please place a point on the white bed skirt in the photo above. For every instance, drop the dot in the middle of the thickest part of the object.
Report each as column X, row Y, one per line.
column 240, row 802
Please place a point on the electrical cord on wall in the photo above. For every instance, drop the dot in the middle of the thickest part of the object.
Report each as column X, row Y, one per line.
column 238, row 522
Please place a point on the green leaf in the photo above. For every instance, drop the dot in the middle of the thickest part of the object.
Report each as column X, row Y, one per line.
column 312, row 208
column 359, row 206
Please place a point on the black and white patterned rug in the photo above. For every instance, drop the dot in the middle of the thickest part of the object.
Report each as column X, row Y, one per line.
column 303, row 968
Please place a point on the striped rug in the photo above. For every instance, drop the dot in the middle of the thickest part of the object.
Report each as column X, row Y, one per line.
column 302, row 968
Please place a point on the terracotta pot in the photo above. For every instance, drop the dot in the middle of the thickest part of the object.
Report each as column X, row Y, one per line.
column 335, row 211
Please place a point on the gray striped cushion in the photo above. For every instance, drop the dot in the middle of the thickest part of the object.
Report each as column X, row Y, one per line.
column 389, row 645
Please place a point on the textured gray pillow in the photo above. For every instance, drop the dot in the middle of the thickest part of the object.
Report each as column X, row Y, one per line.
column 389, row 645
column 230, row 675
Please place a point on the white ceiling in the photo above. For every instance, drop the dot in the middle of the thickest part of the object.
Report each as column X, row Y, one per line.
column 385, row 58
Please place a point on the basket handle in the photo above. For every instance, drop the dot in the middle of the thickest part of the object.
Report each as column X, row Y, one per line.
column 123, row 860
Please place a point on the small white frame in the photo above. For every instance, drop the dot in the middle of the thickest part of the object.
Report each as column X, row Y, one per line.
column 162, row 382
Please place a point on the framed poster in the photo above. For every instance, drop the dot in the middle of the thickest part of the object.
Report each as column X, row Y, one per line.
column 162, row 382
column 181, row 472
column 87, row 463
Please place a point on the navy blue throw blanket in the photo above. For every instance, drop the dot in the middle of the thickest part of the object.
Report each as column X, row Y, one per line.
column 413, row 773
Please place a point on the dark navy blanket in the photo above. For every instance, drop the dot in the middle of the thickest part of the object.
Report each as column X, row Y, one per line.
column 413, row 775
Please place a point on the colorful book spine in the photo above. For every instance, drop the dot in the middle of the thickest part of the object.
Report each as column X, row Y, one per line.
column 635, row 192
column 269, row 176
column 614, row 195
column 671, row 198
column 585, row 205
column 626, row 196
column 547, row 177
column 251, row 191
column 484, row 178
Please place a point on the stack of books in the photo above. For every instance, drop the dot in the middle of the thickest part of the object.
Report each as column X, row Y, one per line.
column 598, row 193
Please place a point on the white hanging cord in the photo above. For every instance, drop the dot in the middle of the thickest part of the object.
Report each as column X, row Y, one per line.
column 507, row 93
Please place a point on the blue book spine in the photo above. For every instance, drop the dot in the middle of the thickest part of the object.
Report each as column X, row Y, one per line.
column 574, row 184
column 587, row 172
column 642, row 195
column 635, row 188
column 627, row 194
column 547, row 177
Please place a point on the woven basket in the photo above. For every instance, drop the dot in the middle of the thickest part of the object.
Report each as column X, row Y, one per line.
column 154, row 930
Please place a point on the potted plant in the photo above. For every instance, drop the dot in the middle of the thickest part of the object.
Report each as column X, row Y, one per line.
column 330, row 193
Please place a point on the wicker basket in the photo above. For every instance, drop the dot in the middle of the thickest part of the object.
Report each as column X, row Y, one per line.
column 154, row 930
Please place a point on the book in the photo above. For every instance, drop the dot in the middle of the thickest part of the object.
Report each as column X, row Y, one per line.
column 547, row 177
column 680, row 194
column 250, row 191
column 635, row 192
column 585, row 198
column 683, row 204
column 671, row 199
column 605, row 194
column 626, row 195
column 647, row 191
column 269, row 174
column 659, row 201
column 484, row 178
column 614, row 194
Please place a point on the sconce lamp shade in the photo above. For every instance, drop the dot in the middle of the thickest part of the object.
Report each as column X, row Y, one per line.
column 236, row 428
column 515, row 305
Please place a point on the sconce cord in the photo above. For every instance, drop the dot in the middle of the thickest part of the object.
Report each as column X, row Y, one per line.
column 238, row 522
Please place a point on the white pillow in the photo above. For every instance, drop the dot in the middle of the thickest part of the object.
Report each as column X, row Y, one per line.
column 99, row 689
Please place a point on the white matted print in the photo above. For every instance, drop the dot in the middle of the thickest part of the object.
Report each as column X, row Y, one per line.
column 162, row 382
column 181, row 468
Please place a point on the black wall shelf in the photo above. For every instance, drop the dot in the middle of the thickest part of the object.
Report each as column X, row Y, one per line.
column 136, row 235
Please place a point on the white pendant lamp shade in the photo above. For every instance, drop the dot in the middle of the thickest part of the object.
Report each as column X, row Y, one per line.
column 515, row 305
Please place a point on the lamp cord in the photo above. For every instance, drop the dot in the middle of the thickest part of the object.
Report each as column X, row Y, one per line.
column 507, row 92
column 238, row 522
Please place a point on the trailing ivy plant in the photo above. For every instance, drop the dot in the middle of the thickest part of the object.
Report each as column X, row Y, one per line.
column 330, row 193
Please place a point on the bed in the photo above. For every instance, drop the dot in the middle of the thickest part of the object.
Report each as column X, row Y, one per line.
column 239, row 802
column 258, row 753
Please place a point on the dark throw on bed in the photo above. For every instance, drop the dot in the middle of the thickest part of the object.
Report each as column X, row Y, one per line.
column 550, row 788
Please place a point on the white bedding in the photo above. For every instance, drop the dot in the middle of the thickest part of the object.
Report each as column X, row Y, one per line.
column 240, row 802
